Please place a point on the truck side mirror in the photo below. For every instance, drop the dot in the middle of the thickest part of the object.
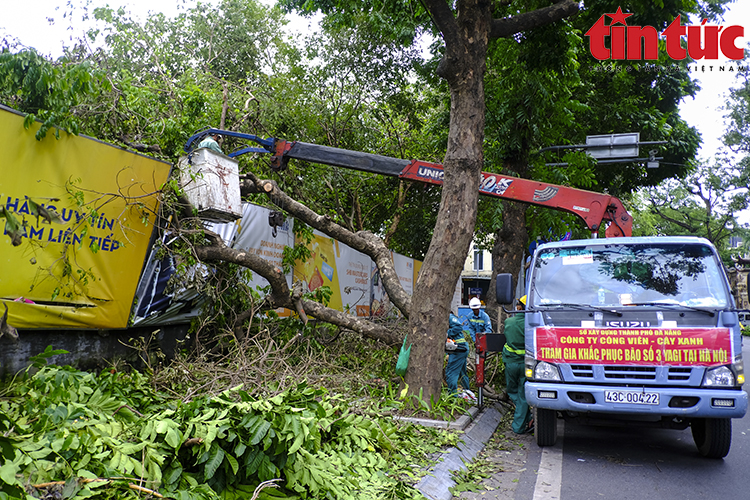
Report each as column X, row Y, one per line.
column 504, row 288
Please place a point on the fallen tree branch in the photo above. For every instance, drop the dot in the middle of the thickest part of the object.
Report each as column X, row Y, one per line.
column 189, row 443
column 145, row 490
column 281, row 296
column 362, row 241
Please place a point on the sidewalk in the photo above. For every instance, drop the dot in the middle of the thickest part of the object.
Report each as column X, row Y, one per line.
column 478, row 437
column 507, row 453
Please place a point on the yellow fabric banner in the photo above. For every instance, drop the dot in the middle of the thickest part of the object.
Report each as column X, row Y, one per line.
column 82, row 270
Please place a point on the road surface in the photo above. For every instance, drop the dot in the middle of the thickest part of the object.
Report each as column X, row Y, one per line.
column 596, row 463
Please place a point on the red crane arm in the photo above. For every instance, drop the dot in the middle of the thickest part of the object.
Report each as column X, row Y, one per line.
column 592, row 207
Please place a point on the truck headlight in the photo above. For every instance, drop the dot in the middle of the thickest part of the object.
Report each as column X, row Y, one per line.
column 546, row 371
column 721, row 376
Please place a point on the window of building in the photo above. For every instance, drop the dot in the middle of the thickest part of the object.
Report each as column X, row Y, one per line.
column 478, row 259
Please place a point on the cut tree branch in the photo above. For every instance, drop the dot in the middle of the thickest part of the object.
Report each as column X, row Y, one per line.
column 281, row 296
column 362, row 241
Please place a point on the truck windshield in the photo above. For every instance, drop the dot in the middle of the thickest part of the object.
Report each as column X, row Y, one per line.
column 628, row 274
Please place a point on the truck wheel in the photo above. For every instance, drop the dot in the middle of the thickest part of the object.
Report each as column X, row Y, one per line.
column 712, row 436
column 546, row 426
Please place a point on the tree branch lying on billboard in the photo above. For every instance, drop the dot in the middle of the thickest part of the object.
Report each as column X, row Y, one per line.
column 642, row 42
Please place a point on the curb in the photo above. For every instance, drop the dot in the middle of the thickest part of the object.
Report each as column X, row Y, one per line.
column 459, row 424
column 435, row 486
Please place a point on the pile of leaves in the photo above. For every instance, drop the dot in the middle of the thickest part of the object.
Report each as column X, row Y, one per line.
column 66, row 433
column 276, row 354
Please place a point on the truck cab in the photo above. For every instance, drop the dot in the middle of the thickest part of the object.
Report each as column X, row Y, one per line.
column 633, row 330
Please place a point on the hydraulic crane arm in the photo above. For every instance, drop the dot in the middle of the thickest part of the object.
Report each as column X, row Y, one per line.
column 593, row 208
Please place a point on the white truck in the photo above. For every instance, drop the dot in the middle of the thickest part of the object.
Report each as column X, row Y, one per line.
column 640, row 329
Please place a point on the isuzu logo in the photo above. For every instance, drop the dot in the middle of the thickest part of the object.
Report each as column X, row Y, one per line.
column 628, row 324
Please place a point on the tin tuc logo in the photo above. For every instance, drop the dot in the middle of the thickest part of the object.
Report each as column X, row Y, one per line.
column 642, row 42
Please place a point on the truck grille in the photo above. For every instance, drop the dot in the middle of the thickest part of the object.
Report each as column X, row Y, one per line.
column 630, row 372
column 583, row 371
column 677, row 373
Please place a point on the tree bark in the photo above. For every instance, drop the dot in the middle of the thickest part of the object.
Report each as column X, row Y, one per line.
column 466, row 38
column 509, row 248
column 509, row 26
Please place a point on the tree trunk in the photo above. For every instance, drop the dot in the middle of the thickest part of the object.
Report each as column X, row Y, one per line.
column 508, row 251
column 463, row 66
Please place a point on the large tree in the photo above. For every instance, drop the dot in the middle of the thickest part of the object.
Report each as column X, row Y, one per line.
column 704, row 203
column 466, row 27
column 737, row 135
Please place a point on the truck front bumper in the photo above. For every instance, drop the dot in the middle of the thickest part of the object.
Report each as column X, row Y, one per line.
column 688, row 402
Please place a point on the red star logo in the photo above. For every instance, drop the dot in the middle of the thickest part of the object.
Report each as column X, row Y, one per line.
column 619, row 17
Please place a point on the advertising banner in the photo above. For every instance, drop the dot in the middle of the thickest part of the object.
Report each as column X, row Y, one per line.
column 354, row 280
column 320, row 268
column 636, row 346
column 255, row 235
column 405, row 269
column 342, row 269
column 417, row 268
column 78, row 268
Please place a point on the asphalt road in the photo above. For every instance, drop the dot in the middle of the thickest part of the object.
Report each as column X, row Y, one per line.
column 594, row 463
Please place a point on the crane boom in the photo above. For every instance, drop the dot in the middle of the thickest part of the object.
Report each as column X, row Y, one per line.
column 594, row 208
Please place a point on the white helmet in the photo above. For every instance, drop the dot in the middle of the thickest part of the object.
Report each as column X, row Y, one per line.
column 475, row 303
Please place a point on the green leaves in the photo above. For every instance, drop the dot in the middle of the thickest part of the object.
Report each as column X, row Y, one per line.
column 13, row 228
column 215, row 459
column 60, row 424
column 38, row 210
column 46, row 91
column 16, row 229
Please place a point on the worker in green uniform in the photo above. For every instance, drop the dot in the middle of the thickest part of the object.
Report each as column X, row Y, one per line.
column 458, row 349
column 514, row 353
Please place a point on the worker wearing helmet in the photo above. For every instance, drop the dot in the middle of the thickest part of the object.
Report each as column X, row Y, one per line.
column 458, row 350
column 514, row 353
column 479, row 322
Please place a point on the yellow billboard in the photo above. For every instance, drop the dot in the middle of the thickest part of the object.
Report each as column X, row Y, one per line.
column 77, row 264
column 320, row 268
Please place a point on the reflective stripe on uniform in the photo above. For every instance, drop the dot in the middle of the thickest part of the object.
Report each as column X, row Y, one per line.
column 521, row 352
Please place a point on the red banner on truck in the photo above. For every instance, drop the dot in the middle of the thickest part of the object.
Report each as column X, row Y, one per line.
column 634, row 346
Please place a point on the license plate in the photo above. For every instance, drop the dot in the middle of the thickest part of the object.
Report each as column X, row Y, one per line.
column 632, row 397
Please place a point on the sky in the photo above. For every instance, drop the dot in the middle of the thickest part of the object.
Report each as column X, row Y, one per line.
column 704, row 112
column 32, row 26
